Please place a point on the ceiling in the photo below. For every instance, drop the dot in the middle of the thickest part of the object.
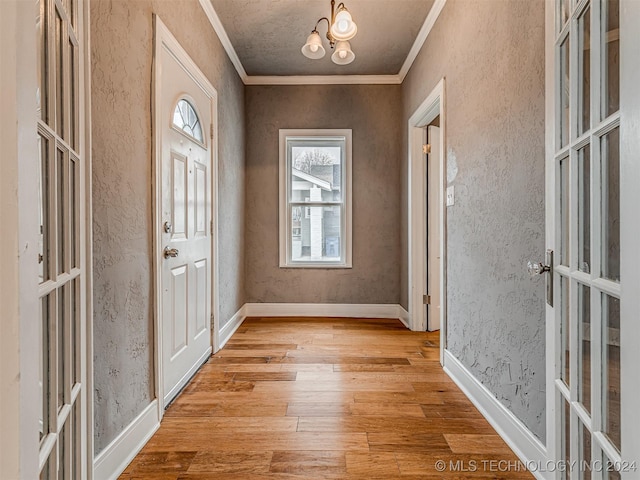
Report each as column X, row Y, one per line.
column 267, row 35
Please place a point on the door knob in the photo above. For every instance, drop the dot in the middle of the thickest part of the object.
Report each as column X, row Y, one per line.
column 537, row 268
column 170, row 252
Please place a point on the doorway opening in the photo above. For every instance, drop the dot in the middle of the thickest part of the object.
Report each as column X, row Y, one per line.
column 427, row 216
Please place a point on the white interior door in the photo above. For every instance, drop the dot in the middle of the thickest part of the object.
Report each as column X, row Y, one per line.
column 185, row 242
column 433, row 228
column 584, row 173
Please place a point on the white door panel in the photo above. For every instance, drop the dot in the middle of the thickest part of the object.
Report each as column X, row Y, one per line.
column 186, row 110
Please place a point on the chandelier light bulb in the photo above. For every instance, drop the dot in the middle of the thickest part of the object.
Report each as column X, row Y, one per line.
column 313, row 48
column 342, row 53
column 343, row 25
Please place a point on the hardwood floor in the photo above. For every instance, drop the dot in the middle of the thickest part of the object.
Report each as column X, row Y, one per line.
column 324, row 399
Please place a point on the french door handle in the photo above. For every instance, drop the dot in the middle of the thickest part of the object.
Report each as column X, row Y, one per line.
column 170, row 252
column 539, row 268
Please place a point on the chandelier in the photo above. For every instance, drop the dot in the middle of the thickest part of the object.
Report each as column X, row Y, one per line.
column 340, row 29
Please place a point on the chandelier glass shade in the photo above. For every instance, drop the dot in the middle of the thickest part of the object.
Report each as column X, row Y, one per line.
column 340, row 29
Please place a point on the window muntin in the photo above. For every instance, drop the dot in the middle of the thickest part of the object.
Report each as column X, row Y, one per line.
column 315, row 226
column 186, row 120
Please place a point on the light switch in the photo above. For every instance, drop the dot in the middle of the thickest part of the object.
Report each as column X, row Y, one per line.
column 450, row 197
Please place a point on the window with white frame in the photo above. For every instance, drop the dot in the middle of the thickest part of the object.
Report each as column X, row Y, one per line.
column 315, row 198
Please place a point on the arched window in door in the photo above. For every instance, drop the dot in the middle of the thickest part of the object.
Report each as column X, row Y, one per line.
column 186, row 120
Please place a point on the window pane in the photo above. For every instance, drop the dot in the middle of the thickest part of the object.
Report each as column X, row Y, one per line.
column 564, row 330
column 316, row 172
column 584, row 119
column 611, row 368
column 564, row 92
column 315, row 233
column 584, row 210
column 75, row 330
column 611, row 60
column 47, row 471
column 564, row 211
column 186, row 119
column 584, row 344
column 611, row 205
column 43, row 210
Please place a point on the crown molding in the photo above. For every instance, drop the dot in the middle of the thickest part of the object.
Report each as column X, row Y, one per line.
column 324, row 79
column 224, row 38
column 424, row 32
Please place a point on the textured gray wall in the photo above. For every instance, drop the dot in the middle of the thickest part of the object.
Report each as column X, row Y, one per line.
column 122, row 46
column 374, row 115
column 492, row 55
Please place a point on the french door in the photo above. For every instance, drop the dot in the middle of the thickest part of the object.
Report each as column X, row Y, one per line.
column 584, row 221
column 62, row 261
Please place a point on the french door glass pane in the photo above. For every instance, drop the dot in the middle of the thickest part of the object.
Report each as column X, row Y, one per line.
column 46, row 472
column 584, row 210
column 565, row 6
column 73, row 216
column 62, row 217
column 43, row 57
column 584, row 346
column 611, row 368
column 45, row 377
column 43, row 210
column 584, row 64
column 565, row 440
column 75, row 339
column 62, row 338
column 59, row 75
column 584, row 467
column 564, row 330
column 611, row 205
column 73, row 114
column 315, row 233
column 610, row 472
column 565, row 204
column 564, row 92
column 611, row 53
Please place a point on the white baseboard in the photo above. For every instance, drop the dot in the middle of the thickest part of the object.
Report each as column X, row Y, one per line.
column 521, row 440
column 322, row 310
column 403, row 315
column 115, row 458
column 232, row 325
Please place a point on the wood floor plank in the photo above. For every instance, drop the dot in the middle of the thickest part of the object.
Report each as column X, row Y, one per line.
column 321, row 398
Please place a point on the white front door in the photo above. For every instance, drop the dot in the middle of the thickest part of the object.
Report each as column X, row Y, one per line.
column 588, row 342
column 185, row 237
column 433, row 228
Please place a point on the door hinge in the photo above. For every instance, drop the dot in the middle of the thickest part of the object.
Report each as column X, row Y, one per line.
column 426, row 148
column 426, row 299
column 211, row 324
column 211, row 227
column 211, row 131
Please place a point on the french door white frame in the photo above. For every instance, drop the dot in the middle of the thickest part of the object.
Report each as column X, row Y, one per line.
column 164, row 39
column 19, row 215
column 430, row 108
column 628, row 120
